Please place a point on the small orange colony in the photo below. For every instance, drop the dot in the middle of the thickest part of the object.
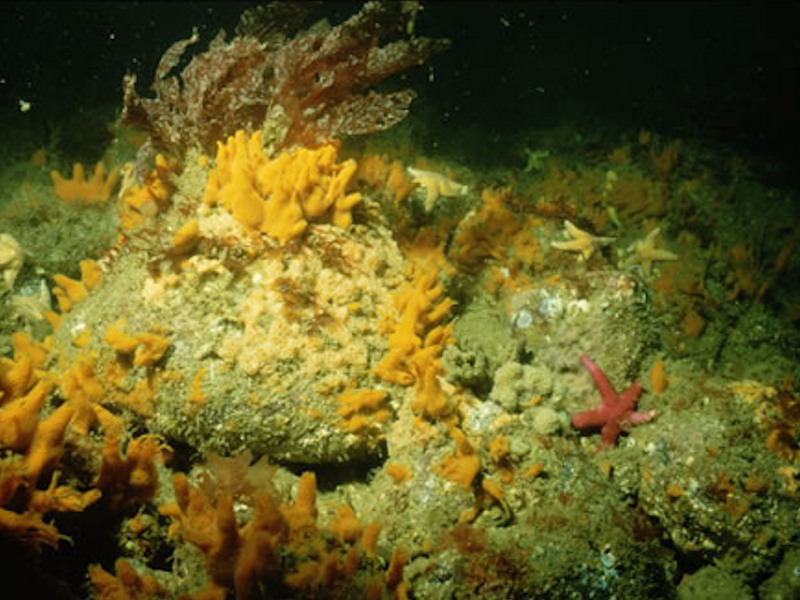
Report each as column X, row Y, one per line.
column 96, row 189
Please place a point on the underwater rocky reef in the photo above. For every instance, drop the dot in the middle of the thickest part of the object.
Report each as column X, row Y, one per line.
column 269, row 347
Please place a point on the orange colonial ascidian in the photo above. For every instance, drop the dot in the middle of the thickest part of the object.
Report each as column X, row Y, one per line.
column 91, row 274
column 96, row 189
column 129, row 480
column 147, row 348
column 187, row 236
column 140, row 202
column 464, row 465
column 280, row 196
column 376, row 171
column 23, row 505
column 20, row 417
column 22, row 394
column 16, row 377
column 150, row 350
column 360, row 408
column 420, row 306
column 119, row 340
column 399, row 472
column 238, row 558
column 126, row 584
column 69, row 292
column 416, row 344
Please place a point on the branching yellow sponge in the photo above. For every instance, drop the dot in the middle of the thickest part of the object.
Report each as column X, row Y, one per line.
column 280, row 196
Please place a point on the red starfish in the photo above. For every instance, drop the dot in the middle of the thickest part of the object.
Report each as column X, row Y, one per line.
column 615, row 412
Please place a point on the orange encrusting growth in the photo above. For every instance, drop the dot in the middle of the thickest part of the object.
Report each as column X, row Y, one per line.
column 38, row 158
column 693, row 324
column 399, row 472
column 196, row 394
column 497, row 232
column 658, row 378
column 377, row 172
column 500, row 454
column 280, row 196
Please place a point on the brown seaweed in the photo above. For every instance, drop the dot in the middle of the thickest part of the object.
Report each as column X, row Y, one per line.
column 314, row 87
